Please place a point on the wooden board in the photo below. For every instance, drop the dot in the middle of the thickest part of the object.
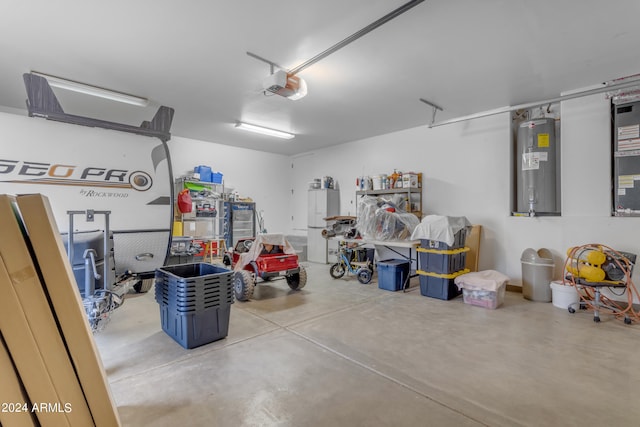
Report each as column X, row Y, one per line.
column 60, row 284
column 473, row 243
column 31, row 299
column 340, row 218
column 16, row 407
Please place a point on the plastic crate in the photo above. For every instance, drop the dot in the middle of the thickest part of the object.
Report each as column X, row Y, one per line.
column 392, row 274
column 193, row 276
column 198, row 328
column 440, row 286
column 172, row 291
column 193, row 296
column 484, row 298
column 459, row 240
column 216, row 177
column 164, row 292
column 363, row 254
column 195, row 304
column 204, row 171
column 442, row 261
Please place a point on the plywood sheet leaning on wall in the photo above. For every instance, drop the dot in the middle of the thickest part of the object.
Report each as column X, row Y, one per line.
column 16, row 407
column 473, row 243
column 60, row 284
column 30, row 298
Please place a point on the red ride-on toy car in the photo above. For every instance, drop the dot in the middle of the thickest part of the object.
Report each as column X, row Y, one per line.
column 268, row 256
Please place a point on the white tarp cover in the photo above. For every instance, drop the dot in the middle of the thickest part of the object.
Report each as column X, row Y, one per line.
column 440, row 228
column 487, row 280
column 275, row 239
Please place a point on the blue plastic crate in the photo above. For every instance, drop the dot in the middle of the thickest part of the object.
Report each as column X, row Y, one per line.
column 167, row 292
column 443, row 261
column 459, row 240
column 195, row 276
column 392, row 274
column 195, row 305
column 440, row 286
column 216, row 178
column 194, row 329
column 194, row 301
column 204, row 171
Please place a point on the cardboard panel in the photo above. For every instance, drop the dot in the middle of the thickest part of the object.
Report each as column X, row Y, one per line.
column 32, row 300
column 16, row 407
column 473, row 243
column 26, row 354
column 60, row 284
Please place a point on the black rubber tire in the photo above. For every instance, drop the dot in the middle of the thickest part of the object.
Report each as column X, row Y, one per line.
column 298, row 280
column 596, row 319
column 144, row 285
column 627, row 321
column 571, row 310
column 256, row 273
column 364, row 275
column 337, row 270
column 243, row 285
column 226, row 260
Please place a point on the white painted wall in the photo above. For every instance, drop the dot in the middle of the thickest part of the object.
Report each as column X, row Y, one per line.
column 264, row 177
column 466, row 171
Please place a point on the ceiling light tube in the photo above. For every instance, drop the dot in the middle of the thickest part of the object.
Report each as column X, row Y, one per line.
column 93, row 90
column 264, row 131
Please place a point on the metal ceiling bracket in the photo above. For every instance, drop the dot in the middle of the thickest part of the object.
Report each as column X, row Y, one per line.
column 271, row 63
column 435, row 110
column 42, row 102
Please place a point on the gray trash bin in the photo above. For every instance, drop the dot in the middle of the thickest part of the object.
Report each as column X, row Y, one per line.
column 537, row 274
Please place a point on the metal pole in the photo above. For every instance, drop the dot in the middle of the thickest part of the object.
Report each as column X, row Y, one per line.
column 626, row 85
column 70, row 238
column 105, row 265
column 355, row 36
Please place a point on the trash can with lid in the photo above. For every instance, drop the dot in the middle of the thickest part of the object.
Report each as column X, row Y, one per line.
column 537, row 273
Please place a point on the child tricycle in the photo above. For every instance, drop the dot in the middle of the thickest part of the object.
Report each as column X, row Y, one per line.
column 363, row 270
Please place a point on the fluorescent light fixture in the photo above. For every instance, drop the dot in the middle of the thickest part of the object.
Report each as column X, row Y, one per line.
column 92, row 90
column 264, row 131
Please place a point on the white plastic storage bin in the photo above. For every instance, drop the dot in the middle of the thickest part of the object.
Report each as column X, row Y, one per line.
column 483, row 288
column 484, row 298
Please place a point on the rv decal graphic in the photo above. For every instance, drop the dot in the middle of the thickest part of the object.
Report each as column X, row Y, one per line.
column 24, row 172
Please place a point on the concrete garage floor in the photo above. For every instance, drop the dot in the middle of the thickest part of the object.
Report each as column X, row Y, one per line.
column 339, row 353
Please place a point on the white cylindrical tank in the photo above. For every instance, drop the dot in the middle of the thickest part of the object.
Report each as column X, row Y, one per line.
column 536, row 167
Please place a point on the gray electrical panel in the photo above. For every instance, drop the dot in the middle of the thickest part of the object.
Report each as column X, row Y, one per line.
column 626, row 159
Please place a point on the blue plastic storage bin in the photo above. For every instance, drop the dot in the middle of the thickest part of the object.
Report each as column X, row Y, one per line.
column 440, row 286
column 194, row 329
column 459, row 239
column 204, row 171
column 443, row 261
column 195, row 301
column 193, row 276
column 392, row 274
column 216, row 178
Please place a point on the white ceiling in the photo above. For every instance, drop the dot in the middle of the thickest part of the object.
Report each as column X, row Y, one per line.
column 464, row 55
